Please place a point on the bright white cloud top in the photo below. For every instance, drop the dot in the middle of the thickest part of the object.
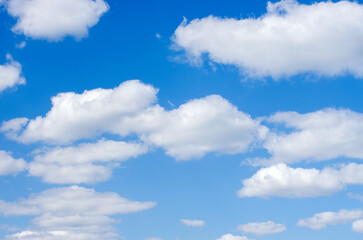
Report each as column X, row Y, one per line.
column 71, row 213
column 198, row 127
column 55, row 19
column 10, row 74
column 321, row 220
column 10, row 165
column 85, row 163
column 193, row 223
column 290, row 39
column 262, row 228
column 316, row 136
column 283, row 181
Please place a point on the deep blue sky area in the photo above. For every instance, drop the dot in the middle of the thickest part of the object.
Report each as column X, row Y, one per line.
column 134, row 40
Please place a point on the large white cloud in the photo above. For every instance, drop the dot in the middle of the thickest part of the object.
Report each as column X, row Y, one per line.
column 55, row 19
column 262, row 228
column 232, row 237
column 76, row 116
column 9, row 165
column 71, row 213
column 10, row 74
column 198, row 127
column 291, row 38
column 321, row 220
column 283, row 181
column 85, row 163
column 316, row 136
column 210, row 124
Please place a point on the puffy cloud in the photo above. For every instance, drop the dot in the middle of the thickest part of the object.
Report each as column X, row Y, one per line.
column 193, row 223
column 198, row 127
column 85, row 163
column 321, row 135
column 9, row 165
column 358, row 226
column 10, row 74
column 262, row 228
column 290, row 39
column 76, row 116
column 321, row 220
column 283, row 181
column 232, row 237
column 55, row 19
column 71, row 213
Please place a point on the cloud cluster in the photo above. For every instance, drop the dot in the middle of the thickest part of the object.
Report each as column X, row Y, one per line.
column 262, row 228
column 291, row 38
column 10, row 74
column 198, row 127
column 193, row 223
column 85, row 163
column 55, row 19
column 9, row 165
column 283, row 181
column 71, row 213
column 321, row 220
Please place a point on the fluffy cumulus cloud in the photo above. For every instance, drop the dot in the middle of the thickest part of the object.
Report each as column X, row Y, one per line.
column 10, row 74
column 198, row 127
column 210, row 124
column 317, row 136
column 262, row 228
column 76, row 116
column 9, row 165
column 283, row 181
column 357, row 226
column 85, row 163
column 232, row 237
column 71, row 213
column 291, row 38
column 321, row 220
column 193, row 223
column 54, row 19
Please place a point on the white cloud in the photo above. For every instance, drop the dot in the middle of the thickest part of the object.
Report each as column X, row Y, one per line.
column 232, row 237
column 357, row 226
column 10, row 74
column 85, row 163
column 55, row 19
column 283, row 181
column 317, row 136
column 76, row 116
column 193, row 223
column 71, row 213
column 321, row 220
column 198, row 127
column 262, row 228
column 21, row 45
column 291, row 38
column 9, row 165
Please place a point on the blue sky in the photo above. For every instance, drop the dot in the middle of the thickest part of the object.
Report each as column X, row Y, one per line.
column 160, row 120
